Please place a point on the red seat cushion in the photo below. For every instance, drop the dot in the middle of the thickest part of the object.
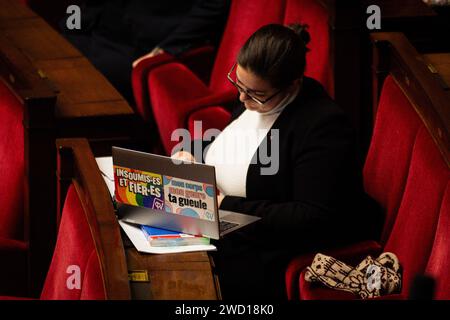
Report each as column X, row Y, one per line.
column 75, row 259
column 245, row 17
column 11, row 165
column 413, row 233
column 389, row 156
column 414, row 230
column 174, row 89
column 139, row 83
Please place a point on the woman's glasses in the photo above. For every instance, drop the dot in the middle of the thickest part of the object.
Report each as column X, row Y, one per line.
column 249, row 93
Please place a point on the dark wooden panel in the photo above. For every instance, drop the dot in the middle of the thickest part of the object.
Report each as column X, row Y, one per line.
column 180, row 276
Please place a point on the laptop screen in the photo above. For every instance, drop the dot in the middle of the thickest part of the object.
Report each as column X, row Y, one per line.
column 160, row 191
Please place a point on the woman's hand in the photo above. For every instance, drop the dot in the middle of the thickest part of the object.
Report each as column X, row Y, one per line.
column 183, row 156
column 220, row 197
column 156, row 51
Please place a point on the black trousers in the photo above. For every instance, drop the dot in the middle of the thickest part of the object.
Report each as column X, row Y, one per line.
column 248, row 271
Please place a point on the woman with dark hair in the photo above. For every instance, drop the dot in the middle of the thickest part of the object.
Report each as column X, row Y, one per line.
column 307, row 189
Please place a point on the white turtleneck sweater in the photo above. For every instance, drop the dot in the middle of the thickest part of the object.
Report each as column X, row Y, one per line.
column 232, row 151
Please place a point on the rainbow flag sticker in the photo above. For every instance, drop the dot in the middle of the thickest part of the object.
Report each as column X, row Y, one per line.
column 170, row 194
column 139, row 188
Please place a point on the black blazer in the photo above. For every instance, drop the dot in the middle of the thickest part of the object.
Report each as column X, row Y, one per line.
column 174, row 25
column 316, row 198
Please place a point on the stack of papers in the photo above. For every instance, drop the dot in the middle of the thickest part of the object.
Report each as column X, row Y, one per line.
column 105, row 164
column 138, row 239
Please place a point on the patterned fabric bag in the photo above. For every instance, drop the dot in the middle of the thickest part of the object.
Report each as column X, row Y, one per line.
column 371, row 278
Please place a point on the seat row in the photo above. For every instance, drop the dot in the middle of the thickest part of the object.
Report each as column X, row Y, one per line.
column 406, row 172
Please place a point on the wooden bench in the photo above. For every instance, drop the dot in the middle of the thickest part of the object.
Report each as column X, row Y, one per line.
column 185, row 276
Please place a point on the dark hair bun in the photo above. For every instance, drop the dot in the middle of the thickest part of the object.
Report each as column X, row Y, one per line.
column 301, row 31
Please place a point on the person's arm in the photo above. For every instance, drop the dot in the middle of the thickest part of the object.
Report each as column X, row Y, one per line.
column 323, row 181
column 204, row 21
column 205, row 18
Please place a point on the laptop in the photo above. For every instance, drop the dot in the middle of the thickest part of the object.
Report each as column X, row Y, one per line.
column 154, row 190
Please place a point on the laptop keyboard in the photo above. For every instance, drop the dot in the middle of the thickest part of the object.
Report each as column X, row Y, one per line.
column 225, row 225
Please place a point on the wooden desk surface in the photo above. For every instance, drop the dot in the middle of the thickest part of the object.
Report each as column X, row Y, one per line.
column 87, row 104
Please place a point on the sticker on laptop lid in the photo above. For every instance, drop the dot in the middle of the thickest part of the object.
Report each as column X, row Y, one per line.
column 160, row 192
column 139, row 188
column 189, row 198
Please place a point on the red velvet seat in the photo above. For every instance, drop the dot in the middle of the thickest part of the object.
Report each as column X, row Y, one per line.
column 313, row 14
column 414, row 229
column 178, row 97
column 385, row 173
column 13, row 248
column 12, row 167
column 389, row 156
column 198, row 60
column 75, row 248
column 89, row 260
column 169, row 110
column 75, row 272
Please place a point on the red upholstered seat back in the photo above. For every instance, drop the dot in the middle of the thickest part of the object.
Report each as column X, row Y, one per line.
column 388, row 159
column 11, row 165
column 312, row 13
column 245, row 17
column 75, row 271
column 413, row 232
column 439, row 262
